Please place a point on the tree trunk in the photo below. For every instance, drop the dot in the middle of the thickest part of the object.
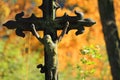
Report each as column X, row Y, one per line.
column 106, row 10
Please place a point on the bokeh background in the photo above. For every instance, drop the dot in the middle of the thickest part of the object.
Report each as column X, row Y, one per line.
column 81, row 57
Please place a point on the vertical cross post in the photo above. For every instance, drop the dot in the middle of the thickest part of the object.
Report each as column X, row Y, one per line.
column 49, row 23
column 48, row 9
column 49, row 14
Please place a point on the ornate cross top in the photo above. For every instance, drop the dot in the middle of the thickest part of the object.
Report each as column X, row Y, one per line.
column 49, row 23
column 49, row 18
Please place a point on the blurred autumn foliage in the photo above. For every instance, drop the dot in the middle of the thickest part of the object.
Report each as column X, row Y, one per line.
column 83, row 56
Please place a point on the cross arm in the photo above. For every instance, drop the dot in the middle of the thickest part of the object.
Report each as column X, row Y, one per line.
column 23, row 24
column 75, row 22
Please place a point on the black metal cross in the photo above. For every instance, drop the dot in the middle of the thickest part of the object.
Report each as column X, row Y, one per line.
column 49, row 23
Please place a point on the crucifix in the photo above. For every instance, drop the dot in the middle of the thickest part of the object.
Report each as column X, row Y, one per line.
column 49, row 24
